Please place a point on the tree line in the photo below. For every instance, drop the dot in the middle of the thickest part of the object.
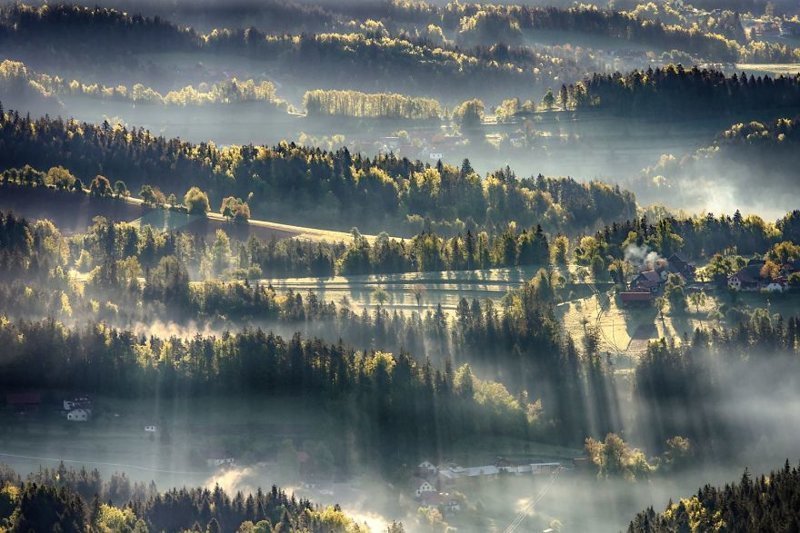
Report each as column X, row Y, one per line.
column 570, row 391
column 17, row 78
column 699, row 237
column 361, row 105
column 135, row 279
column 754, row 503
column 675, row 91
column 284, row 180
column 678, row 384
column 393, row 404
column 373, row 58
column 78, row 501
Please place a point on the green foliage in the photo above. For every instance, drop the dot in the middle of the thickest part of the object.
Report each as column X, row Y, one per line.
column 361, row 105
column 58, row 177
column 675, row 294
column 196, row 201
column 100, row 187
column 469, row 114
column 751, row 504
column 19, row 80
column 614, row 458
column 654, row 93
column 67, row 500
column 285, row 180
column 235, row 209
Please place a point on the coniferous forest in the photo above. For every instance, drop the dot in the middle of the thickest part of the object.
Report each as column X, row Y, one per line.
column 399, row 266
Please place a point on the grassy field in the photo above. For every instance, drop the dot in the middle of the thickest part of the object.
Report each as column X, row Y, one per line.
column 435, row 288
column 627, row 331
column 188, row 433
column 74, row 213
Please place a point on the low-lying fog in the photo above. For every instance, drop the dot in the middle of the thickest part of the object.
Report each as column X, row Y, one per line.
column 758, row 401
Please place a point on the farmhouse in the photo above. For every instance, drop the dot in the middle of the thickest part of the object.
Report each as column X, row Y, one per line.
column 748, row 279
column 425, row 469
column 423, row 486
column 676, row 264
column 544, row 468
column 426, row 465
column 649, row 280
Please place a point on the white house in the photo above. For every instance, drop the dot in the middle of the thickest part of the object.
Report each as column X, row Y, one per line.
column 423, row 487
column 78, row 415
column 426, row 465
column 747, row 279
column 77, row 403
column 775, row 286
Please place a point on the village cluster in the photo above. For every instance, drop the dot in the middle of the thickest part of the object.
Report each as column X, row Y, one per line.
column 653, row 276
column 434, row 486
column 752, row 278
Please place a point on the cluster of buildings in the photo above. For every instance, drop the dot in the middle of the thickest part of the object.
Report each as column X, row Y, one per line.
column 78, row 409
column 771, row 27
column 650, row 280
column 626, row 59
column 752, row 277
column 219, row 458
column 426, row 147
column 432, row 485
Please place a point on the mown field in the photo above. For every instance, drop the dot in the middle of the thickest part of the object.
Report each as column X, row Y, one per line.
column 74, row 213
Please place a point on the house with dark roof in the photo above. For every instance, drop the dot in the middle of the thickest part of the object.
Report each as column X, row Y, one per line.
column 648, row 280
column 635, row 297
column 748, row 278
column 677, row 264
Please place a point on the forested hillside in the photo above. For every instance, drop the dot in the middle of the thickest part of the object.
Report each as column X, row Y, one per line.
column 65, row 499
column 677, row 93
column 433, row 266
column 728, row 165
column 339, row 187
column 755, row 503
